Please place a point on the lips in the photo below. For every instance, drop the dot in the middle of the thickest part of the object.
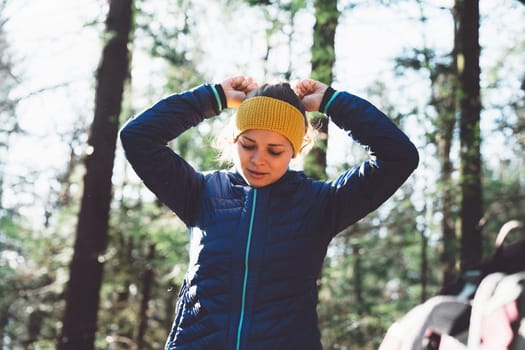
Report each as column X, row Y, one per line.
column 256, row 174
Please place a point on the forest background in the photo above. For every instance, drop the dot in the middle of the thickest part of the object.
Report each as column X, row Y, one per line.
column 89, row 259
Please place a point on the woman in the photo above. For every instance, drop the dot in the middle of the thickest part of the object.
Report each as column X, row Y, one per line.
column 259, row 234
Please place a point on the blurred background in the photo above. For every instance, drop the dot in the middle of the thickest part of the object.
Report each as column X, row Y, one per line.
column 86, row 249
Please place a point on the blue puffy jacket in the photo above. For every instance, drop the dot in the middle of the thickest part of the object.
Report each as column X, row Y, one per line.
column 255, row 254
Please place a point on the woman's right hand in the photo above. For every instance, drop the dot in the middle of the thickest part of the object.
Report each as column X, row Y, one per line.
column 237, row 88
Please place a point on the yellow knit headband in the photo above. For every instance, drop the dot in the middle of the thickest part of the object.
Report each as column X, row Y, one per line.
column 267, row 113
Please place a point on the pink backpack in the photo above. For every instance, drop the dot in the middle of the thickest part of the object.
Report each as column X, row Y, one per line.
column 483, row 310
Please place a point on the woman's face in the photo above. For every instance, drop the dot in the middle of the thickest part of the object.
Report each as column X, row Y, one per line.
column 264, row 156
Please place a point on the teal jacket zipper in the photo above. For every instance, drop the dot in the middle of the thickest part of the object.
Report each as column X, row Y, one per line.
column 246, row 269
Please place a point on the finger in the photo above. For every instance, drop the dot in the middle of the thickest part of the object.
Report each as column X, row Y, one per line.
column 299, row 88
column 306, row 87
column 244, row 83
column 236, row 82
column 251, row 84
column 309, row 86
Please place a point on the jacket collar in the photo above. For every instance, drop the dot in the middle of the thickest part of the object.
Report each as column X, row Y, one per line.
column 290, row 178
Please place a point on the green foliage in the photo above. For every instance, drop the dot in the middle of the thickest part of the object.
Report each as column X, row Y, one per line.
column 372, row 276
column 32, row 273
column 138, row 229
column 170, row 38
column 291, row 6
column 10, row 257
column 504, row 199
column 323, row 49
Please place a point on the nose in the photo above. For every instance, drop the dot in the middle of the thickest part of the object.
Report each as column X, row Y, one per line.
column 257, row 157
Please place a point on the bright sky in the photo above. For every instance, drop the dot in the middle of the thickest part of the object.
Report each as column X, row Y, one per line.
column 50, row 47
column 53, row 46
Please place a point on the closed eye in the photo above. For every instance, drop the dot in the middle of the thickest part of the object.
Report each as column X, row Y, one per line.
column 247, row 147
column 271, row 150
column 275, row 153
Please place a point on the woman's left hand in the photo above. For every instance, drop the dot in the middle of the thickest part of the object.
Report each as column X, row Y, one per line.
column 311, row 93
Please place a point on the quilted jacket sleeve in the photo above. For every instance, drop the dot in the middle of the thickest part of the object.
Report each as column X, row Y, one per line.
column 145, row 140
column 392, row 158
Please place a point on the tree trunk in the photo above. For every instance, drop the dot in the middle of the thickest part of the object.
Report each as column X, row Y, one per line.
column 357, row 269
column 424, row 267
column 82, row 295
column 4, row 320
column 444, row 82
column 467, row 58
column 424, row 262
column 323, row 61
column 359, row 289
column 147, row 284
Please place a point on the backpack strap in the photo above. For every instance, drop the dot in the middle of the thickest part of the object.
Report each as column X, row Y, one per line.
column 505, row 230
